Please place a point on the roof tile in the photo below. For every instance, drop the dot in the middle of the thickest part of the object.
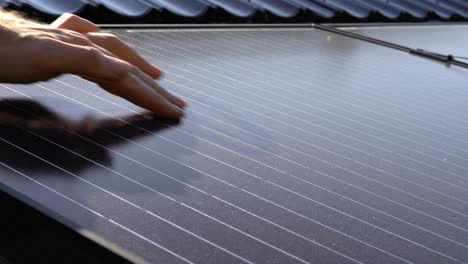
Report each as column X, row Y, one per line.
column 305, row 10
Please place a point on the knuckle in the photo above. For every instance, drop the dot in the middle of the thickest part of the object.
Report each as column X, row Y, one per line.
column 82, row 40
column 93, row 54
column 112, row 40
column 109, row 36
column 76, row 38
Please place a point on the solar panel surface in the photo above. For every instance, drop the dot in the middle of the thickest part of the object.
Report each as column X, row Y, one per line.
column 299, row 146
column 442, row 39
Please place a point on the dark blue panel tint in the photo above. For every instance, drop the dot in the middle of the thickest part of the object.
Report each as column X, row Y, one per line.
column 450, row 40
column 299, row 146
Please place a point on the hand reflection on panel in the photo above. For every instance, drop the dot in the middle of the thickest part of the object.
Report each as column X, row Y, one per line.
column 24, row 122
column 86, row 149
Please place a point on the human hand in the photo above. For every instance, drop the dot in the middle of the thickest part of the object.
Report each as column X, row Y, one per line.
column 73, row 45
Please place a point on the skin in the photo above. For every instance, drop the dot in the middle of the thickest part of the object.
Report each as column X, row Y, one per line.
column 33, row 52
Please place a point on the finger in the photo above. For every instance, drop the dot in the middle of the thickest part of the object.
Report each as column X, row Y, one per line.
column 163, row 92
column 150, row 83
column 69, row 58
column 75, row 23
column 113, row 44
column 153, row 85
column 136, row 91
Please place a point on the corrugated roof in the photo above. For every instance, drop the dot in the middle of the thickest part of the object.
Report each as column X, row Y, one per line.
column 170, row 11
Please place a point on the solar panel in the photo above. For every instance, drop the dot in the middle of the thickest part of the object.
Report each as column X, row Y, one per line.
column 299, row 146
column 450, row 41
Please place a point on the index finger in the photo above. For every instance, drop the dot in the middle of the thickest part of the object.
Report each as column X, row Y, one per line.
column 136, row 91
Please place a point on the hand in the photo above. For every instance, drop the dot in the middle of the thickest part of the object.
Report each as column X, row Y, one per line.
column 73, row 45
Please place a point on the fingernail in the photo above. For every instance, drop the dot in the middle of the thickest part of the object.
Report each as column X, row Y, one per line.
column 178, row 110
column 158, row 73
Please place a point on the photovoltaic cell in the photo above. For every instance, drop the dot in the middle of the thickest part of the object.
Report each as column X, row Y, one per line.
column 299, row 146
column 450, row 40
